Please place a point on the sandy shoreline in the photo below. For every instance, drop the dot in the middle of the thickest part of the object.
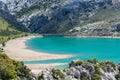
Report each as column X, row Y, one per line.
column 16, row 49
column 37, row 68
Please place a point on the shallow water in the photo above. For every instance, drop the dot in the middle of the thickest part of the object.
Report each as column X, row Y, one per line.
column 83, row 48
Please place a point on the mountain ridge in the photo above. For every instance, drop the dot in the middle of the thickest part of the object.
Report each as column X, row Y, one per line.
column 66, row 16
column 5, row 14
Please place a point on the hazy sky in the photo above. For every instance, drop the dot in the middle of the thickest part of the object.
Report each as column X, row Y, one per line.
column 2, row 0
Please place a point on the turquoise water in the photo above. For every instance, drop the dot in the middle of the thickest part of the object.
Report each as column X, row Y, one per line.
column 83, row 48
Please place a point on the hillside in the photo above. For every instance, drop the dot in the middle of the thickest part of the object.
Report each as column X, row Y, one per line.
column 5, row 14
column 77, row 70
column 10, row 69
column 13, row 70
column 74, row 17
column 9, row 28
column 9, row 31
column 84, row 70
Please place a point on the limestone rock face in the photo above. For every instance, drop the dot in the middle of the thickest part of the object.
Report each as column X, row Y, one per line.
column 5, row 14
column 16, row 5
column 3, row 6
column 73, row 17
column 61, row 16
column 84, row 71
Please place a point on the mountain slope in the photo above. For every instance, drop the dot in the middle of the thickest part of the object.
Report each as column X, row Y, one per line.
column 13, row 70
column 4, row 13
column 73, row 17
column 9, row 27
column 84, row 70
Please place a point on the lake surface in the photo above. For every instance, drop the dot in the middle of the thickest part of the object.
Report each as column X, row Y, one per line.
column 84, row 48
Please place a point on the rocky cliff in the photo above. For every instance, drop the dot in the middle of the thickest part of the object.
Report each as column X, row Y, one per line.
column 5, row 14
column 84, row 70
column 74, row 17
column 15, row 6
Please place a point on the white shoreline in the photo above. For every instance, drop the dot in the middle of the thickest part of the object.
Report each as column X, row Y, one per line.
column 16, row 49
column 114, row 37
column 37, row 68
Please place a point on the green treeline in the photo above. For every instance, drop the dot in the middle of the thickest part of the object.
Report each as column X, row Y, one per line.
column 11, row 69
column 9, row 31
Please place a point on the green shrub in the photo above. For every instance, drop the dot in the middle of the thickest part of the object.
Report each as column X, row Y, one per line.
column 1, row 50
column 58, row 73
column 97, row 70
column 112, row 64
column 41, row 77
column 94, row 61
column 96, row 77
column 3, row 56
column 103, row 64
column 84, row 78
column 10, row 69
column 3, row 44
column 78, row 63
column 7, row 70
column 117, row 76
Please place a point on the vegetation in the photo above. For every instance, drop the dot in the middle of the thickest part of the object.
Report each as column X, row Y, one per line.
column 96, row 77
column 1, row 49
column 117, row 76
column 94, row 61
column 57, row 72
column 78, row 63
column 112, row 64
column 97, row 70
column 8, row 31
column 41, row 77
column 103, row 65
column 34, row 8
column 11, row 69
column 102, row 15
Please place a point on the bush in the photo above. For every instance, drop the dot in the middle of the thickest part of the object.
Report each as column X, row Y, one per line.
column 103, row 65
column 94, row 61
column 58, row 73
column 22, row 70
column 41, row 77
column 97, row 70
column 85, row 78
column 1, row 50
column 96, row 77
column 7, row 70
column 78, row 63
column 3, row 44
column 10, row 69
column 3, row 56
column 112, row 64
column 117, row 76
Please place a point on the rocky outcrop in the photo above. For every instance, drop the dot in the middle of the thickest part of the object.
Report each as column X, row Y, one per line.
column 70, row 13
column 83, row 70
column 15, row 6
column 4, row 13
column 74, row 17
